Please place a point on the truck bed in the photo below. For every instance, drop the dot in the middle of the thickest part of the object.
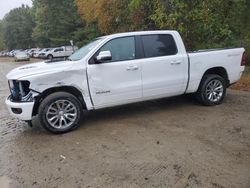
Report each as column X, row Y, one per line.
column 202, row 60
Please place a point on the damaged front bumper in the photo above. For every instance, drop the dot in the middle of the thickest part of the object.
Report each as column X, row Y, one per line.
column 21, row 101
column 20, row 110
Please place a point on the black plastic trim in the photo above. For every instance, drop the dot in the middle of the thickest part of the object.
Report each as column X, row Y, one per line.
column 16, row 110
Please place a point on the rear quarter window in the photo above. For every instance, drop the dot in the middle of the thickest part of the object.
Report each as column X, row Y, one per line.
column 159, row 45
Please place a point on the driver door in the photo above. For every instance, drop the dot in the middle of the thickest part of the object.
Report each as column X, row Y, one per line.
column 116, row 81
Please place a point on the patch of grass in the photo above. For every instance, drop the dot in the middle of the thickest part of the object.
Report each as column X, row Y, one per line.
column 243, row 84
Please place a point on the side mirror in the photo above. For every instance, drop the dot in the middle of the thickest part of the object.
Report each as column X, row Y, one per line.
column 103, row 56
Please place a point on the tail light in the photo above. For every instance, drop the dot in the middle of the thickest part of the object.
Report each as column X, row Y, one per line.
column 244, row 59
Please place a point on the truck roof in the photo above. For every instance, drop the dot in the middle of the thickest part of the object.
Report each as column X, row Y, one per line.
column 140, row 33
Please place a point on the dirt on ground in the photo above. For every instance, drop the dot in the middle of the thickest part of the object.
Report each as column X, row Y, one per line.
column 243, row 84
column 172, row 142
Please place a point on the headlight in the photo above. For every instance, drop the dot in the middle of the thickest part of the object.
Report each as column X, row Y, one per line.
column 20, row 91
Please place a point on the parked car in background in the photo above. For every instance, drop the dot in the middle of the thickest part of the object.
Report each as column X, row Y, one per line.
column 36, row 53
column 22, row 56
column 3, row 53
column 32, row 51
column 44, row 55
column 41, row 54
column 64, row 51
column 14, row 52
column 11, row 53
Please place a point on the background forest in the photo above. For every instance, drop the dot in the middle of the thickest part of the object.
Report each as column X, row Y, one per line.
column 202, row 24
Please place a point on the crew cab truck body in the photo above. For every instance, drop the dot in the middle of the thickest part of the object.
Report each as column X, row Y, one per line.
column 120, row 69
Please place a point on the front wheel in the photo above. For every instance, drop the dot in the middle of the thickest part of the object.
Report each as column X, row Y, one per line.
column 60, row 112
column 212, row 90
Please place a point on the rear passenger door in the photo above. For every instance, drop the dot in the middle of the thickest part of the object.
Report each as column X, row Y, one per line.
column 163, row 68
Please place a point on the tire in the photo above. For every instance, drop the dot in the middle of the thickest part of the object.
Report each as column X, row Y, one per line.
column 60, row 112
column 212, row 90
column 50, row 57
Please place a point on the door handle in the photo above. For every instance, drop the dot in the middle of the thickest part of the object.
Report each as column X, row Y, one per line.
column 176, row 62
column 132, row 68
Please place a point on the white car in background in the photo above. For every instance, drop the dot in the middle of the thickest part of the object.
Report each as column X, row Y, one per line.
column 22, row 56
column 11, row 53
column 36, row 53
column 42, row 53
column 3, row 53
column 32, row 51
column 64, row 51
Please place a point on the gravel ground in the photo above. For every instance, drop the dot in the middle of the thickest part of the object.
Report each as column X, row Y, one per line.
column 172, row 142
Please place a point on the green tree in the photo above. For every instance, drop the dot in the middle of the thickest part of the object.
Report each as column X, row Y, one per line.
column 140, row 12
column 84, row 35
column 239, row 21
column 56, row 22
column 17, row 28
column 2, row 45
column 109, row 15
column 202, row 24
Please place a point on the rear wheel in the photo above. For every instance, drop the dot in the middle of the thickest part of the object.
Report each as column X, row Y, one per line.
column 60, row 112
column 212, row 90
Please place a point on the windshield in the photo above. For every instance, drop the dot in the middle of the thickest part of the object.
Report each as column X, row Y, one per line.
column 82, row 52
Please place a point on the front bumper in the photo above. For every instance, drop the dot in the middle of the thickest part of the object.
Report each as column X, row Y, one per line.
column 20, row 110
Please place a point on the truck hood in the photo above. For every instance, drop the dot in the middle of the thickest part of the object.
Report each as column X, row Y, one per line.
column 38, row 68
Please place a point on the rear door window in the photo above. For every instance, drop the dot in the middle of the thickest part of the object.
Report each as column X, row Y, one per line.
column 159, row 45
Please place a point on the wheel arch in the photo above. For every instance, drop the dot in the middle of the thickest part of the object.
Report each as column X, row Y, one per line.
column 221, row 71
column 69, row 89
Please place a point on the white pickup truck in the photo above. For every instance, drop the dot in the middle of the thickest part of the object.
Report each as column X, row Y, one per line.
column 120, row 69
column 64, row 51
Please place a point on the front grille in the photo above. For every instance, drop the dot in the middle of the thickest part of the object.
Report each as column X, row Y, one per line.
column 19, row 90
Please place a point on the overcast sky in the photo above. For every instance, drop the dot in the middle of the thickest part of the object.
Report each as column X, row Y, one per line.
column 7, row 5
